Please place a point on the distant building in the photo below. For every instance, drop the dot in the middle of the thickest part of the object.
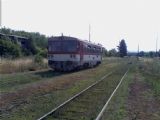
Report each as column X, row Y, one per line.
column 2, row 35
column 22, row 41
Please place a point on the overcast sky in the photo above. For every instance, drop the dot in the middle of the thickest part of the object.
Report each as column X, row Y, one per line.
column 136, row 21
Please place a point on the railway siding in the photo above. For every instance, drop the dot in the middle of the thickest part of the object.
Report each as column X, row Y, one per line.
column 31, row 100
column 39, row 97
column 116, row 109
column 87, row 105
column 137, row 96
column 115, row 90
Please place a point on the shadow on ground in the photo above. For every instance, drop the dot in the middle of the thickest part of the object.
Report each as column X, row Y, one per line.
column 48, row 73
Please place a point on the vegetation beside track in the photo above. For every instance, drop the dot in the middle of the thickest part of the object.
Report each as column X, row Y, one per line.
column 116, row 109
column 151, row 70
column 30, row 95
column 21, row 65
column 138, row 96
column 32, row 99
column 86, row 106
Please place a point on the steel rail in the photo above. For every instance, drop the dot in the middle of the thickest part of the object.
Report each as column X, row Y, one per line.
column 105, row 106
column 75, row 96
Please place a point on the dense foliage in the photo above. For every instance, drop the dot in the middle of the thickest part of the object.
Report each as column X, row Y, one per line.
column 37, row 44
column 111, row 53
column 8, row 49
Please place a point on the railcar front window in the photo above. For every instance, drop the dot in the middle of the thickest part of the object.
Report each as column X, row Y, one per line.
column 63, row 46
column 69, row 46
column 56, row 46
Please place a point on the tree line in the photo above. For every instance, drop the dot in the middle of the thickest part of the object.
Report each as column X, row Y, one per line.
column 38, row 46
column 120, row 52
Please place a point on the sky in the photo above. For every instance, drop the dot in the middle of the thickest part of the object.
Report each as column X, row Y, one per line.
column 135, row 21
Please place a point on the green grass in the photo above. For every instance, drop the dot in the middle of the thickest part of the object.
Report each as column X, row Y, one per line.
column 44, row 99
column 92, row 100
column 116, row 109
column 12, row 82
column 151, row 72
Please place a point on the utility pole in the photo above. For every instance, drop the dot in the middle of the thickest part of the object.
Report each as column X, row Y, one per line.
column 156, row 44
column 138, row 53
column 89, row 33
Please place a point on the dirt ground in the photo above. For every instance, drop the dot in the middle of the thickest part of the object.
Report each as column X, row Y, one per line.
column 141, row 104
column 13, row 99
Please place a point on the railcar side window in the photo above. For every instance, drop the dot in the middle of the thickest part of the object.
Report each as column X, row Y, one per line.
column 89, row 49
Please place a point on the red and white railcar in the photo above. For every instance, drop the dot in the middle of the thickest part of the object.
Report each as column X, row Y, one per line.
column 69, row 53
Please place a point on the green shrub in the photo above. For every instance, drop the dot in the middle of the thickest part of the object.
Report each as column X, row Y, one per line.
column 7, row 49
column 38, row 59
column 42, row 52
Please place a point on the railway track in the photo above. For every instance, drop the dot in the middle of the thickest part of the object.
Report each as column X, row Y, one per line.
column 89, row 102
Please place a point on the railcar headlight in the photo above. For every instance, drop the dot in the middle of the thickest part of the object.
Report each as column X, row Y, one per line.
column 72, row 56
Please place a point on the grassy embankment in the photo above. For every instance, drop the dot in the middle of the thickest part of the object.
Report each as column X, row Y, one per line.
column 151, row 70
column 138, row 97
column 30, row 95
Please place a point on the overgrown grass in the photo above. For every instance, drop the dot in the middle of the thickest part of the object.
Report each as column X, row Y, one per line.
column 91, row 101
column 151, row 72
column 116, row 109
column 20, row 65
column 12, row 82
column 46, row 98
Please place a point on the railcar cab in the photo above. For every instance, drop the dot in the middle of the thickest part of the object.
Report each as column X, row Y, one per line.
column 63, row 53
column 62, row 45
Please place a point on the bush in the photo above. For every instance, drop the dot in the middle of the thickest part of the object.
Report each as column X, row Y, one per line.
column 38, row 59
column 43, row 53
column 7, row 48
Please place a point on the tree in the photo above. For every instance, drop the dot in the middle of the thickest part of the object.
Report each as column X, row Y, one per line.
column 112, row 52
column 151, row 54
column 105, row 52
column 141, row 54
column 122, row 48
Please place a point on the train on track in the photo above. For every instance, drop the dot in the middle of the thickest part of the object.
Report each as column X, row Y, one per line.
column 69, row 53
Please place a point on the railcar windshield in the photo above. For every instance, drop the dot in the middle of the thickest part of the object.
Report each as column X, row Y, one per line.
column 63, row 46
column 69, row 46
column 55, row 46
